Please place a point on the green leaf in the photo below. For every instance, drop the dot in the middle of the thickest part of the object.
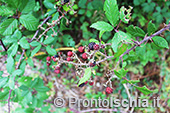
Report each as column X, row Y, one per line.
column 17, row 72
column 51, row 51
column 121, row 73
column 68, row 41
column 5, row 11
column 34, row 82
column 35, row 50
column 160, row 42
column 34, row 43
column 3, row 81
column 144, row 90
column 48, row 4
column 111, row 11
column 94, row 40
column 151, row 28
column 102, row 26
column 8, row 26
column 27, row 6
column 125, row 17
column 11, row 82
column 13, row 49
column 121, row 50
column 23, row 87
column 86, row 76
column 30, row 62
column 17, row 34
column 48, row 40
column 24, row 43
column 135, row 31
column 13, row 3
column 42, row 89
column 120, row 37
column 29, row 21
column 55, row 17
column 10, row 64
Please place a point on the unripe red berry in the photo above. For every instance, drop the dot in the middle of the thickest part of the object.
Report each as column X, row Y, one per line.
column 57, row 68
column 91, row 83
column 81, row 49
column 92, row 64
column 86, row 82
column 68, row 59
column 48, row 64
column 96, row 46
column 109, row 90
column 84, row 56
column 57, row 71
column 48, row 58
column 52, row 57
column 69, row 53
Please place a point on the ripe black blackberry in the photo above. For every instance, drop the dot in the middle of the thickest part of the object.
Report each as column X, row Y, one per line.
column 56, row 56
column 91, row 45
column 66, row 1
column 83, row 84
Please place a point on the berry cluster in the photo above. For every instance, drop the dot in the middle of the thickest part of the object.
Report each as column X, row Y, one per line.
column 83, row 84
column 82, row 59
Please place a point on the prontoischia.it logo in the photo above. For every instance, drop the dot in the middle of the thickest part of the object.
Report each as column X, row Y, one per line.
column 111, row 102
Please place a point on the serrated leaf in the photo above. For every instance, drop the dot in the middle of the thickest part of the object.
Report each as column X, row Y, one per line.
column 48, row 40
column 35, row 50
column 8, row 26
column 68, row 41
column 24, row 43
column 48, row 5
column 86, row 76
column 55, row 17
column 51, row 51
column 125, row 17
column 17, row 34
column 6, row 11
column 30, row 62
column 27, row 6
column 17, row 72
column 34, row 43
column 13, row 3
column 42, row 89
column 102, row 26
column 121, row 73
column 144, row 90
column 34, row 82
column 111, row 11
column 3, row 81
column 13, row 49
column 151, row 28
column 160, row 42
column 121, row 50
column 29, row 21
column 23, row 87
column 10, row 64
column 135, row 31
column 119, row 37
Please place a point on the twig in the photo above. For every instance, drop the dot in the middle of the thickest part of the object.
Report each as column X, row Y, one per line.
column 9, row 100
column 1, row 42
column 36, row 33
column 20, row 59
